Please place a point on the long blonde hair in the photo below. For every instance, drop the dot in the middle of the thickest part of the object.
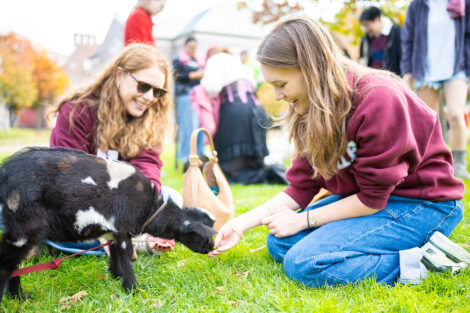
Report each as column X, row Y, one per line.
column 102, row 94
column 319, row 134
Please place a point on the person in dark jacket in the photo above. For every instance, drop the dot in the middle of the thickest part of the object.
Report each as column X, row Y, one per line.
column 436, row 55
column 188, row 71
column 381, row 46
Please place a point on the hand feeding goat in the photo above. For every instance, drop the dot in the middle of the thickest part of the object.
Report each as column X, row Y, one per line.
column 65, row 194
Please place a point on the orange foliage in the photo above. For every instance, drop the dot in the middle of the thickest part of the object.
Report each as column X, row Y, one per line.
column 346, row 21
column 27, row 75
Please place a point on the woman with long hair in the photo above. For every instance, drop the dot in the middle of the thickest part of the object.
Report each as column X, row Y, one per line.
column 121, row 115
column 435, row 56
column 364, row 136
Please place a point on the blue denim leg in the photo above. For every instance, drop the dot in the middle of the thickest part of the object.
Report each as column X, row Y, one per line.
column 1, row 219
column 188, row 121
column 278, row 247
column 353, row 249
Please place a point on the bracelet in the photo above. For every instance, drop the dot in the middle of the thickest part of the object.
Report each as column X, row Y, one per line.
column 236, row 231
column 311, row 222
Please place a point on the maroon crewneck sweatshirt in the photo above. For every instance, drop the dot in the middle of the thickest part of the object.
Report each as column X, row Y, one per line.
column 395, row 148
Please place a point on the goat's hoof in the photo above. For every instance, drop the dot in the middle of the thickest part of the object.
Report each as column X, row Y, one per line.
column 114, row 274
column 20, row 296
column 130, row 287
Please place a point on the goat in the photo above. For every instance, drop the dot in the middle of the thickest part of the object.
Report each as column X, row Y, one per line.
column 63, row 194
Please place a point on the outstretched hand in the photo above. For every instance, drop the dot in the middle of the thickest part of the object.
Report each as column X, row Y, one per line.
column 284, row 222
column 225, row 240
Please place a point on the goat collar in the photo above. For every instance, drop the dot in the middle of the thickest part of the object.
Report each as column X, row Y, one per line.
column 154, row 215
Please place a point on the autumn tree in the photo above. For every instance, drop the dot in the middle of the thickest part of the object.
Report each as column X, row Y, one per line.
column 346, row 21
column 28, row 77
column 17, row 86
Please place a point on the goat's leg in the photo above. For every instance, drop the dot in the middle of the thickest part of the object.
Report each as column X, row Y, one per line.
column 114, row 266
column 10, row 257
column 14, row 289
column 123, row 257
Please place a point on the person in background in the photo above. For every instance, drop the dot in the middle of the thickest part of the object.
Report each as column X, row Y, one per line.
column 139, row 24
column 187, row 71
column 368, row 139
column 121, row 115
column 436, row 55
column 381, row 45
column 253, row 66
column 228, row 108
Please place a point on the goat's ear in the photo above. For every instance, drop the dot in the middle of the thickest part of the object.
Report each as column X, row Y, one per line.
column 200, row 215
column 200, row 229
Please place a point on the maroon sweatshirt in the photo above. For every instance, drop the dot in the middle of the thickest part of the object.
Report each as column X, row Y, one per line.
column 395, row 148
column 82, row 137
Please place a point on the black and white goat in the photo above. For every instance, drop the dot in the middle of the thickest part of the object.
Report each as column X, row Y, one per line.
column 65, row 194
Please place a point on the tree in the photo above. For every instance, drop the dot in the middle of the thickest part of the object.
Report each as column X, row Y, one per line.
column 346, row 21
column 17, row 85
column 28, row 77
column 50, row 79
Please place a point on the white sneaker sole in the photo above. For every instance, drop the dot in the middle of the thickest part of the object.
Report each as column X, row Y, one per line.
column 435, row 260
column 452, row 250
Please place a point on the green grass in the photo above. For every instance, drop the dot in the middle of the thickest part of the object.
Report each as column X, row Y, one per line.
column 236, row 281
column 24, row 136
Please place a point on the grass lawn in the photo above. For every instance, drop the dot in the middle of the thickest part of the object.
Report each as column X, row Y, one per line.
column 24, row 136
column 237, row 281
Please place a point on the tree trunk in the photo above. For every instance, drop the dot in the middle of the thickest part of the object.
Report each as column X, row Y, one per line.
column 4, row 116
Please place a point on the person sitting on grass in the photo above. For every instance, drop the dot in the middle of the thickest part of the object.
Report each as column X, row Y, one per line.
column 364, row 136
column 121, row 115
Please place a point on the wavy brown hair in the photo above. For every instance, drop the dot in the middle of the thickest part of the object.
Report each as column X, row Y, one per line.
column 319, row 134
column 102, row 94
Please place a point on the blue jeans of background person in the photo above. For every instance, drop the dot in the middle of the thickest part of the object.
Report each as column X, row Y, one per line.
column 75, row 247
column 188, row 121
column 418, row 84
column 350, row 250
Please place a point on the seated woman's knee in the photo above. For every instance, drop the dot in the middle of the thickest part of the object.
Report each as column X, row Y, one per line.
column 274, row 248
column 304, row 270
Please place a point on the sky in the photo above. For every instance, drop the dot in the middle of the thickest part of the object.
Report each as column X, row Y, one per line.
column 52, row 23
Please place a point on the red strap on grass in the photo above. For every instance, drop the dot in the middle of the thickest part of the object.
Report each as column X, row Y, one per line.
column 53, row 265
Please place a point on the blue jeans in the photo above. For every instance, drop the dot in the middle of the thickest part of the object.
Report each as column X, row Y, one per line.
column 418, row 84
column 350, row 250
column 75, row 247
column 188, row 121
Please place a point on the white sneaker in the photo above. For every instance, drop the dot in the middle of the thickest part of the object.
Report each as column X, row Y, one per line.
column 452, row 250
column 436, row 260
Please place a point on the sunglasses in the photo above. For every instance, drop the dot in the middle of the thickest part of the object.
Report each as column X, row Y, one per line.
column 143, row 87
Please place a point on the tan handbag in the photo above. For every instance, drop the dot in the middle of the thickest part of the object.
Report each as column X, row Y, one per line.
column 196, row 191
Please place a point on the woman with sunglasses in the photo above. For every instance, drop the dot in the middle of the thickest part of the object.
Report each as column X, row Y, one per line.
column 121, row 115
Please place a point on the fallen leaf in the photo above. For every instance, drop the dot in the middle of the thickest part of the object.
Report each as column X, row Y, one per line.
column 156, row 305
column 68, row 301
column 220, row 289
column 231, row 302
column 257, row 249
column 100, row 276
column 244, row 274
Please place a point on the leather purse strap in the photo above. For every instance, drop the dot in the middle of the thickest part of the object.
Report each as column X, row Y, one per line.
column 193, row 145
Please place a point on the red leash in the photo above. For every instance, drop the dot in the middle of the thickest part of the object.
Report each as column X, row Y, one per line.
column 53, row 265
